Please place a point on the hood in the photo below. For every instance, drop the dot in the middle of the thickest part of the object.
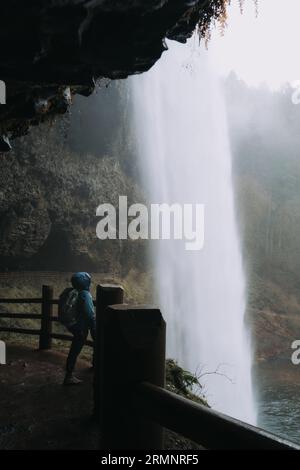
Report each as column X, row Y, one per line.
column 81, row 281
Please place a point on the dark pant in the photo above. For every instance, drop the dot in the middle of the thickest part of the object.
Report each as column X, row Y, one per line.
column 79, row 339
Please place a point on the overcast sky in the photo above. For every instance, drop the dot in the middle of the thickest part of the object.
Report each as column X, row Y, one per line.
column 260, row 49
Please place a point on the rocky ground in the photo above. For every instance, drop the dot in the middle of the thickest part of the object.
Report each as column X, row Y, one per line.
column 37, row 412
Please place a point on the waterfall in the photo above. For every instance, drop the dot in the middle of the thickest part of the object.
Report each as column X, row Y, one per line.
column 179, row 125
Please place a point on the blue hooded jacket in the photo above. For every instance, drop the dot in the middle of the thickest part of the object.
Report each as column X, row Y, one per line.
column 81, row 281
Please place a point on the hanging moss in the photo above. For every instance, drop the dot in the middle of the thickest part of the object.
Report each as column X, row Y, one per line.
column 215, row 13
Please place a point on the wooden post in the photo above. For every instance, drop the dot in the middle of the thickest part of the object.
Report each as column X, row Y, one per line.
column 132, row 352
column 107, row 294
column 46, row 323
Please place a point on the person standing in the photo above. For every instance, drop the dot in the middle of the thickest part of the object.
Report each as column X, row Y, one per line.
column 76, row 312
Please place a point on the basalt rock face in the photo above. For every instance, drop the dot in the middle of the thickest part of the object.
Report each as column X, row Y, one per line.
column 48, row 200
column 52, row 49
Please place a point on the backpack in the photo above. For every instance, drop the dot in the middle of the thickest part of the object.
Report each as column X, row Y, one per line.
column 67, row 307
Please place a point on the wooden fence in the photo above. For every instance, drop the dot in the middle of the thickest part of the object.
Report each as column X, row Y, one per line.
column 46, row 318
column 131, row 403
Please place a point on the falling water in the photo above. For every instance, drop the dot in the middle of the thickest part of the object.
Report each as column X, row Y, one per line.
column 182, row 141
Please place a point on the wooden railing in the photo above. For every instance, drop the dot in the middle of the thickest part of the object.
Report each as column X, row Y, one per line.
column 131, row 403
column 46, row 318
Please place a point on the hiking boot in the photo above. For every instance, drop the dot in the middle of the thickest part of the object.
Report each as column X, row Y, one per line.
column 71, row 380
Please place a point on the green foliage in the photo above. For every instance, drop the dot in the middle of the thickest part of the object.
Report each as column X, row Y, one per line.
column 183, row 382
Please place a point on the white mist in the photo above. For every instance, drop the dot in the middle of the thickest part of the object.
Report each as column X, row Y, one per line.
column 182, row 141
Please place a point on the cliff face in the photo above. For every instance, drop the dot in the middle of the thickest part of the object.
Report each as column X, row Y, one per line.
column 55, row 48
column 73, row 41
column 50, row 187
